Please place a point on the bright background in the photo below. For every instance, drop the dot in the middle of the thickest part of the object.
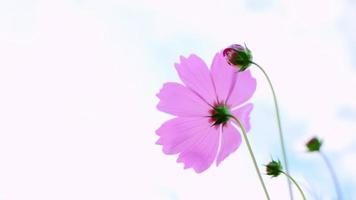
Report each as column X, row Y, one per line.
column 78, row 81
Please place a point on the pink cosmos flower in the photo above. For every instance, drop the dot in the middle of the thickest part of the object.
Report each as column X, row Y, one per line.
column 202, row 130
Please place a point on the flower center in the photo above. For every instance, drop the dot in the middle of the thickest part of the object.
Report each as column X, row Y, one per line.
column 220, row 114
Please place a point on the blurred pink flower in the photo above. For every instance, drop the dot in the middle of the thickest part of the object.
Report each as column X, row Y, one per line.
column 202, row 131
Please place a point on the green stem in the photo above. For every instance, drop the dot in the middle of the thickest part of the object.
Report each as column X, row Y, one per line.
column 252, row 155
column 333, row 175
column 281, row 138
column 295, row 183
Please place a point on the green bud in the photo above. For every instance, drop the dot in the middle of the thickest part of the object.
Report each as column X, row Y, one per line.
column 274, row 168
column 314, row 144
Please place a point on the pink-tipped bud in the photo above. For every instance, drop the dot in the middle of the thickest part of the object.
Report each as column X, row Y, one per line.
column 238, row 56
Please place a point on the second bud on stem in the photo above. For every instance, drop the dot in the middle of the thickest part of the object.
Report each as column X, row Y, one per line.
column 274, row 169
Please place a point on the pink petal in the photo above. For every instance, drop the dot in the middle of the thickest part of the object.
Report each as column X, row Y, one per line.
column 243, row 89
column 181, row 101
column 195, row 75
column 178, row 134
column 202, row 153
column 230, row 141
column 243, row 114
column 224, row 76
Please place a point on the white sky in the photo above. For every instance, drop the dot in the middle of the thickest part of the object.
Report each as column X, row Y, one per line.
column 77, row 95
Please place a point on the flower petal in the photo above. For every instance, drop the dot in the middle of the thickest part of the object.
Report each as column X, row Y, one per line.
column 243, row 88
column 179, row 134
column 224, row 76
column 230, row 141
column 195, row 75
column 178, row 100
column 202, row 153
column 243, row 114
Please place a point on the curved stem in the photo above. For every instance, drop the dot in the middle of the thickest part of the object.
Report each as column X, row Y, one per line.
column 252, row 155
column 295, row 183
column 284, row 154
column 333, row 175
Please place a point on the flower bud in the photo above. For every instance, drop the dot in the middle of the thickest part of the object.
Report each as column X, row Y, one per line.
column 238, row 56
column 314, row 144
column 274, row 168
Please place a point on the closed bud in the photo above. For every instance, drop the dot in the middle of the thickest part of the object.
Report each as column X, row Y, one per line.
column 274, row 168
column 314, row 144
column 238, row 56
